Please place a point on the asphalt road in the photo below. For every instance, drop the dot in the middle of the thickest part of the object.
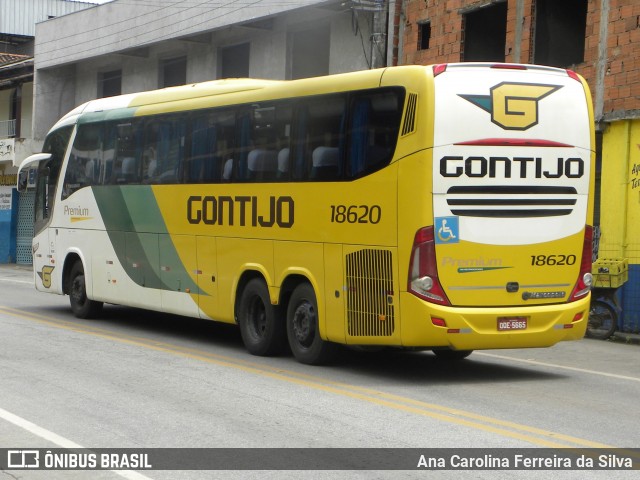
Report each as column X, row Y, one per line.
column 137, row 379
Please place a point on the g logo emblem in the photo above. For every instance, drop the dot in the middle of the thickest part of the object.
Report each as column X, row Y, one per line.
column 45, row 275
column 513, row 106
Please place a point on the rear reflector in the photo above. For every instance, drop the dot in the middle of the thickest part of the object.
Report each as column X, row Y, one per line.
column 438, row 322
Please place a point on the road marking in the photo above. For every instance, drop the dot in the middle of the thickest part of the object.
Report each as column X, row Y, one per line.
column 533, row 435
column 558, row 367
column 59, row 440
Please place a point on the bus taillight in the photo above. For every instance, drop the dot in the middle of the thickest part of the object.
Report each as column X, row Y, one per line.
column 585, row 279
column 423, row 271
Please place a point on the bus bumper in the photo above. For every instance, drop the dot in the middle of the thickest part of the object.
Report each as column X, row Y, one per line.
column 429, row 325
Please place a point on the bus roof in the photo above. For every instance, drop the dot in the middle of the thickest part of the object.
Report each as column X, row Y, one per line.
column 219, row 93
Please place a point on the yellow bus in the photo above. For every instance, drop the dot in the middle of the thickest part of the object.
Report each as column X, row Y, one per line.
column 442, row 207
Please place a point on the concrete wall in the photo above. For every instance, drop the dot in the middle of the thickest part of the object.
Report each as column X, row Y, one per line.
column 27, row 110
column 54, row 95
column 123, row 25
column 27, row 107
column 19, row 17
column 70, row 55
column 5, row 104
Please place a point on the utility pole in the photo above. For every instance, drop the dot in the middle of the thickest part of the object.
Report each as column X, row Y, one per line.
column 379, row 34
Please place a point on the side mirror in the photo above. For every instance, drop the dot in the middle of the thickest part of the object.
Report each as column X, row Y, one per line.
column 23, row 180
column 30, row 164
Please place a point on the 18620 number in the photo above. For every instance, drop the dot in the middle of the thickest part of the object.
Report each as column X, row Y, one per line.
column 356, row 214
column 551, row 260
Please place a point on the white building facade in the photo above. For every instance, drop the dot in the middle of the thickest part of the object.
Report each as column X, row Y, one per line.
column 18, row 20
column 124, row 47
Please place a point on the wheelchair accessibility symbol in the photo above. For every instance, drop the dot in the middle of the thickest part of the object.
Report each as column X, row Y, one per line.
column 447, row 230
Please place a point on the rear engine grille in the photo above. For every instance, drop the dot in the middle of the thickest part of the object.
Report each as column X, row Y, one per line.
column 370, row 310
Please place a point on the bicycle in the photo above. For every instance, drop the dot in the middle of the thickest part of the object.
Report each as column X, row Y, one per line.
column 604, row 313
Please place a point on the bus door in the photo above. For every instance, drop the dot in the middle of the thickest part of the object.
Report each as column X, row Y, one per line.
column 41, row 171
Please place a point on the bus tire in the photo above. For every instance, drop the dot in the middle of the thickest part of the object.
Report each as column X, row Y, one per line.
column 302, row 328
column 261, row 323
column 81, row 306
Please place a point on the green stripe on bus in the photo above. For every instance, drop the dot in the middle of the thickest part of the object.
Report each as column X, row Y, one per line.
column 133, row 210
column 107, row 115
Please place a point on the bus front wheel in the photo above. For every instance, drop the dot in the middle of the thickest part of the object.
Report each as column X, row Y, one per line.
column 302, row 328
column 81, row 306
column 261, row 325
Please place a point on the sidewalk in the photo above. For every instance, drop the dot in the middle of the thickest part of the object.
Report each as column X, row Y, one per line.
column 16, row 273
column 623, row 337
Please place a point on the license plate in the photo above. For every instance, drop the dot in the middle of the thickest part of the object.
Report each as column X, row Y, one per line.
column 512, row 323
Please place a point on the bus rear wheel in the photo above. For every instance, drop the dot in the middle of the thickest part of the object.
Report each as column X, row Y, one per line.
column 261, row 325
column 81, row 305
column 302, row 328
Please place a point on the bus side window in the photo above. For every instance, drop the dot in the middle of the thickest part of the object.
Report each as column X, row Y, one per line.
column 199, row 167
column 126, row 168
column 269, row 137
column 225, row 121
column 319, row 144
column 164, row 144
column 210, row 152
column 373, row 130
column 83, row 168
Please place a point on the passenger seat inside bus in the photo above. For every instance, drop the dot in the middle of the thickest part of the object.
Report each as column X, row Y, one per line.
column 262, row 164
column 128, row 173
column 283, row 163
column 227, row 170
column 325, row 163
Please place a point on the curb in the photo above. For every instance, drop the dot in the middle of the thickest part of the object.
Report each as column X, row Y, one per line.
column 630, row 338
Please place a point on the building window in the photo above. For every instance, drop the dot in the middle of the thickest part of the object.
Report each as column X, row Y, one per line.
column 310, row 52
column 560, row 29
column 485, row 33
column 173, row 72
column 424, row 34
column 234, row 61
column 109, row 83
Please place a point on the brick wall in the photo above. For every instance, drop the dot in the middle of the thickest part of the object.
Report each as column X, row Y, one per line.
column 621, row 91
column 622, row 78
